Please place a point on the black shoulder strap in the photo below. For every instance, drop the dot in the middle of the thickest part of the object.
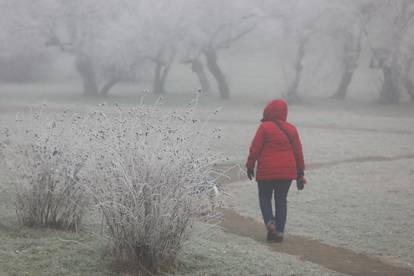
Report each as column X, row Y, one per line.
column 290, row 139
column 285, row 132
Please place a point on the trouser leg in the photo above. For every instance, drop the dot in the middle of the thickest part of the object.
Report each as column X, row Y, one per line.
column 281, row 192
column 265, row 201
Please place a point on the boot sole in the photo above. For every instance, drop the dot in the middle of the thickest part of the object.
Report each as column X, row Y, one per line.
column 277, row 239
column 271, row 237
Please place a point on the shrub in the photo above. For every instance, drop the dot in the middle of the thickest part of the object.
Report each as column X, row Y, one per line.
column 153, row 175
column 150, row 175
column 45, row 163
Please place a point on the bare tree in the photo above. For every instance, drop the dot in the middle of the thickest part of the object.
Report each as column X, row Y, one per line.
column 162, row 42
column 349, row 32
column 389, row 47
column 88, row 31
column 192, row 55
column 301, row 24
column 156, row 35
column 408, row 78
column 162, row 61
column 292, row 91
column 217, row 25
column 72, row 30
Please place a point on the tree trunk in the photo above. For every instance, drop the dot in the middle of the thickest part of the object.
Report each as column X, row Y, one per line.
column 351, row 53
column 198, row 68
column 408, row 82
column 292, row 93
column 105, row 89
column 160, row 77
column 389, row 93
column 394, row 72
column 86, row 71
column 157, row 87
column 409, row 87
column 164, row 75
column 343, row 85
column 212, row 65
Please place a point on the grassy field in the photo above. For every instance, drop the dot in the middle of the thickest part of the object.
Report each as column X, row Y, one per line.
column 360, row 193
column 354, row 198
column 210, row 251
column 47, row 252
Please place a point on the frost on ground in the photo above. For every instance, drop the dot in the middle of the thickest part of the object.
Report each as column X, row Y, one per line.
column 149, row 173
column 366, row 207
column 226, row 254
column 327, row 135
column 210, row 251
column 47, row 252
column 323, row 145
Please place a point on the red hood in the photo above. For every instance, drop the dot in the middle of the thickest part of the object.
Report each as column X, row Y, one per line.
column 275, row 110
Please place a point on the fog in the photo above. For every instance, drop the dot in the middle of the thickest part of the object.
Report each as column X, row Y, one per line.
column 296, row 49
column 126, row 124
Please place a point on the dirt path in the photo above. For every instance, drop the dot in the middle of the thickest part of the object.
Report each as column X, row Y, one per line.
column 335, row 258
column 363, row 159
column 338, row 259
column 234, row 173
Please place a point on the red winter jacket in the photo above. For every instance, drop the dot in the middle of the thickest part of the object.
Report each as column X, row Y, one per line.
column 272, row 149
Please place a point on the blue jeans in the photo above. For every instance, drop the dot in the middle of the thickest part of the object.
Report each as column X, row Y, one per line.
column 280, row 188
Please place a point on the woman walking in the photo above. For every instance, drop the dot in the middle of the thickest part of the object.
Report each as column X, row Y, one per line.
column 278, row 151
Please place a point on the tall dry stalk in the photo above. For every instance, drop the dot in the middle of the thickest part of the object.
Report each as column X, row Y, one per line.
column 45, row 160
column 153, row 175
column 150, row 174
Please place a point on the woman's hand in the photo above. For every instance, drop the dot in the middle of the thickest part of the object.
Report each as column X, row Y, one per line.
column 300, row 183
column 250, row 173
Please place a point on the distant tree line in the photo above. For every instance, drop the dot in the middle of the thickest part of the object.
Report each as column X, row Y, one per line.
column 115, row 40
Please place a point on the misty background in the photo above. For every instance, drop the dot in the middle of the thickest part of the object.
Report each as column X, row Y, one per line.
column 80, row 87
column 359, row 49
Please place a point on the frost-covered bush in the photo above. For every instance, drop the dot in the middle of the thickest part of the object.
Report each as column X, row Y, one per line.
column 45, row 160
column 150, row 174
column 153, row 174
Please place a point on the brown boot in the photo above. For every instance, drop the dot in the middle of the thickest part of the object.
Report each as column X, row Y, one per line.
column 278, row 237
column 271, row 232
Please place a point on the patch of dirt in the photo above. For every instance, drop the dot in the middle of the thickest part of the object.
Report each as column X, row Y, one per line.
column 234, row 173
column 363, row 159
column 335, row 258
column 363, row 129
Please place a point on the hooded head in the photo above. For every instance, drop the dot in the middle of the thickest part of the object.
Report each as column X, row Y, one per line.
column 275, row 110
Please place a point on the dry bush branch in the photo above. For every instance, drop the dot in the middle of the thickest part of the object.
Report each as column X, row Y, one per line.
column 153, row 175
column 45, row 160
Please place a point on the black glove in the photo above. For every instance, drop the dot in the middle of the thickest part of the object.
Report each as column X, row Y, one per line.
column 300, row 184
column 300, row 181
column 250, row 173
